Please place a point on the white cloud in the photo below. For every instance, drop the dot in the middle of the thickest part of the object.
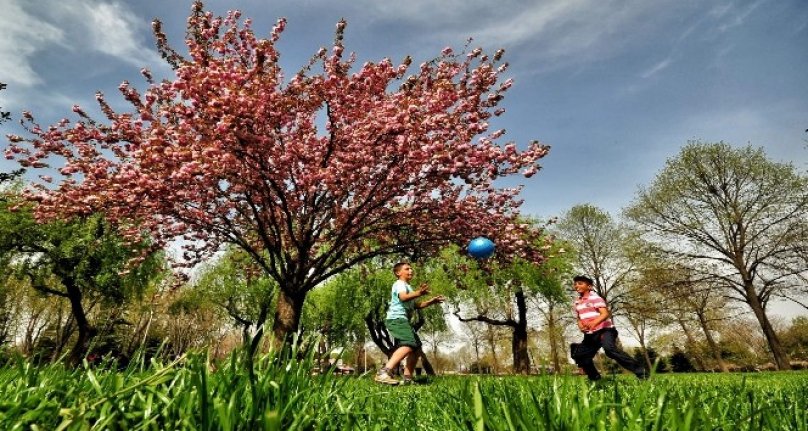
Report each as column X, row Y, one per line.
column 80, row 26
column 550, row 33
column 110, row 28
column 33, row 31
column 737, row 17
column 662, row 65
column 23, row 36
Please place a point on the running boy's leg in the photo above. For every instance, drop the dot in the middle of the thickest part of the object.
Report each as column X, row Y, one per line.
column 408, row 342
column 409, row 367
column 412, row 358
column 385, row 374
column 608, row 338
column 583, row 355
column 398, row 355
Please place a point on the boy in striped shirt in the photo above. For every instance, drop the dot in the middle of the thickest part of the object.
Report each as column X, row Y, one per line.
column 594, row 320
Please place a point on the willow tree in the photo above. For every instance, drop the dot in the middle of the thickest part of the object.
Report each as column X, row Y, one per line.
column 740, row 216
column 498, row 292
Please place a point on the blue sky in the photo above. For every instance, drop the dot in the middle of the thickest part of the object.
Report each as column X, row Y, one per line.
column 615, row 87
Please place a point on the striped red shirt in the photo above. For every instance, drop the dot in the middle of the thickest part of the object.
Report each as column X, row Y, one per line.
column 586, row 307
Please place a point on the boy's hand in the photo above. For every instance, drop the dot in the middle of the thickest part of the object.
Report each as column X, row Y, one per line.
column 437, row 300
column 582, row 326
column 423, row 289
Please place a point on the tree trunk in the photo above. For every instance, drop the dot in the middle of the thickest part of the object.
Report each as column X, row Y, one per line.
column 477, row 356
column 378, row 333
column 714, row 348
column 691, row 344
column 521, row 360
column 428, row 369
column 551, row 332
column 86, row 331
column 780, row 356
column 644, row 349
column 287, row 316
column 493, row 345
column 647, row 357
column 259, row 326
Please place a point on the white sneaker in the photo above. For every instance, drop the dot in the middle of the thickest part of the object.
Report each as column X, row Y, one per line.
column 383, row 377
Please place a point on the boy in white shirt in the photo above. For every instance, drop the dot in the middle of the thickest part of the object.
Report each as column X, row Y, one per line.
column 402, row 305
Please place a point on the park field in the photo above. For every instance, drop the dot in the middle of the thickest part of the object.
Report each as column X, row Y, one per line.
column 189, row 394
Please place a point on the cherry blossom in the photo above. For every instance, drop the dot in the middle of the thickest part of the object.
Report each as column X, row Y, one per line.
column 230, row 152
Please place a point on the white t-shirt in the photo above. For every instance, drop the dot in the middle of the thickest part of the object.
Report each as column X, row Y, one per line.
column 400, row 309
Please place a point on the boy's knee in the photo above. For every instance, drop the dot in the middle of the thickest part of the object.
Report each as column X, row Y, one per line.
column 579, row 353
column 402, row 349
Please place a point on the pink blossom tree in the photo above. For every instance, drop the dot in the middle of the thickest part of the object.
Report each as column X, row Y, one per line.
column 309, row 174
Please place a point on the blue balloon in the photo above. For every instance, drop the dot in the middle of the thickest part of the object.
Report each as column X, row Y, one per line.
column 481, row 248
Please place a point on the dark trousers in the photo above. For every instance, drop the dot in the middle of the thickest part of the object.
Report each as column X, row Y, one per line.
column 584, row 351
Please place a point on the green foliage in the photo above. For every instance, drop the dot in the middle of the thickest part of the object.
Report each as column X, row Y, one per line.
column 463, row 279
column 234, row 283
column 194, row 394
column 338, row 308
column 795, row 338
column 680, row 363
column 85, row 252
column 82, row 262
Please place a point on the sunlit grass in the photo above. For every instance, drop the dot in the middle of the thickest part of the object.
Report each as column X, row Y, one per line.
column 283, row 395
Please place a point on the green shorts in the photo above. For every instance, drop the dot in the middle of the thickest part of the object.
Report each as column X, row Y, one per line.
column 402, row 333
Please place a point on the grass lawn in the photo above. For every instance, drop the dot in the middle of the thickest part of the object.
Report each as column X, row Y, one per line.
column 187, row 394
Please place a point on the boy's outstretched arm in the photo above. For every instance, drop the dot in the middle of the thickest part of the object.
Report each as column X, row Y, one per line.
column 434, row 300
column 422, row 290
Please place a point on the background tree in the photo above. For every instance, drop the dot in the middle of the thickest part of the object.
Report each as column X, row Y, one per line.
column 694, row 296
column 500, row 293
column 473, row 334
column 86, row 259
column 553, row 301
column 598, row 242
column 679, row 362
column 555, row 311
column 743, row 345
column 740, row 214
column 795, row 338
column 335, row 311
column 434, row 333
column 230, row 152
column 643, row 310
column 187, row 321
column 234, row 283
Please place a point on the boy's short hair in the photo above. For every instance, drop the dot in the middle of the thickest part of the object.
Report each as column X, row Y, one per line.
column 397, row 267
column 583, row 278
